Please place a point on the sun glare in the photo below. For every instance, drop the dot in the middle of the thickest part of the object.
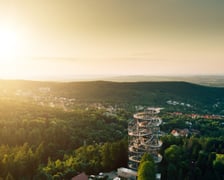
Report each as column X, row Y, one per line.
column 11, row 44
column 8, row 43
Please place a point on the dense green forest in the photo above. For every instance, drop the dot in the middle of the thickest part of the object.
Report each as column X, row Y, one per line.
column 30, row 135
column 57, row 130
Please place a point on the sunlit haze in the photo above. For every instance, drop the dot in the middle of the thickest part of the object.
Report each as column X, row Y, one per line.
column 41, row 39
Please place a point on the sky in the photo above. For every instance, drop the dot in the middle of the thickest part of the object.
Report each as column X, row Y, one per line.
column 71, row 38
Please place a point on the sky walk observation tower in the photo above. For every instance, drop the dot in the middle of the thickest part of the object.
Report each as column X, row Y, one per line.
column 144, row 133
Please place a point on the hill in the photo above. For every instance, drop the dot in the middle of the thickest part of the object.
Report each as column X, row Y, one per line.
column 210, row 99
column 207, row 80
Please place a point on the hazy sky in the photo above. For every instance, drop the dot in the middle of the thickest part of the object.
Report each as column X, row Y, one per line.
column 111, row 37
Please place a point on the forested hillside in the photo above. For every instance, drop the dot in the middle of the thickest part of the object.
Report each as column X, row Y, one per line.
column 54, row 130
column 209, row 99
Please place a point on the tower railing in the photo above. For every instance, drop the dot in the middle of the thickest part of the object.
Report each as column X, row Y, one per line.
column 144, row 136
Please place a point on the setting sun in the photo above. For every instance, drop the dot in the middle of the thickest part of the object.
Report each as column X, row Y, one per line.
column 9, row 42
column 73, row 38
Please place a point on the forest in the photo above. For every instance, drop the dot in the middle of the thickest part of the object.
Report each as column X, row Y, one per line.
column 32, row 136
column 38, row 141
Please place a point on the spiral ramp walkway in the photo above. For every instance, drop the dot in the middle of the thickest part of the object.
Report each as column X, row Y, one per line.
column 144, row 136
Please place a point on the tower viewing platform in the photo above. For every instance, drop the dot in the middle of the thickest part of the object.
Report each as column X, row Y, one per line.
column 144, row 133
